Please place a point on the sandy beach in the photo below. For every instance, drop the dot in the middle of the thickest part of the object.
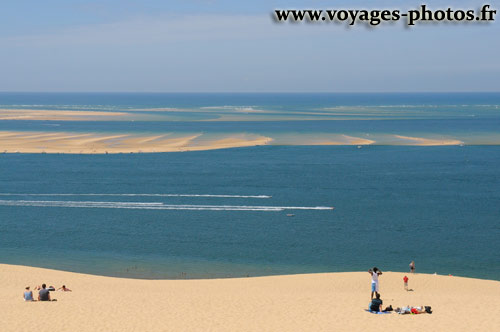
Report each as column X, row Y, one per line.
column 311, row 302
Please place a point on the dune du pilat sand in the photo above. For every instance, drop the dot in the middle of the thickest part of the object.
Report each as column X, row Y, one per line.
column 309, row 302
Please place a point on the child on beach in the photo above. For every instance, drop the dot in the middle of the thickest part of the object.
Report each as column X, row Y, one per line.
column 412, row 267
column 405, row 279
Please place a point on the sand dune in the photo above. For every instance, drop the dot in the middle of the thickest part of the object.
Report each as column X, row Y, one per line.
column 313, row 302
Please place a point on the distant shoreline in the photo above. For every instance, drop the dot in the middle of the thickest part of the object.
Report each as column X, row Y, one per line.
column 185, row 276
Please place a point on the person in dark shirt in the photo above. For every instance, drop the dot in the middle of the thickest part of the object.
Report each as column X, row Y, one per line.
column 376, row 304
column 44, row 294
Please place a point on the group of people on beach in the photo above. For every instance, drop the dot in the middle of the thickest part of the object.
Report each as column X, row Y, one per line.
column 376, row 303
column 43, row 292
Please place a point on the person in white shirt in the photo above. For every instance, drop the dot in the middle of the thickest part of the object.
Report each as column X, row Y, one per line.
column 375, row 272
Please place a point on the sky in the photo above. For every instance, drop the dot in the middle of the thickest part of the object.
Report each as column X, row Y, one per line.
column 236, row 46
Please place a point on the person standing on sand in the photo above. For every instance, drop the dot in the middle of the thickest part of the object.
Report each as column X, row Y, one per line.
column 405, row 279
column 412, row 267
column 375, row 272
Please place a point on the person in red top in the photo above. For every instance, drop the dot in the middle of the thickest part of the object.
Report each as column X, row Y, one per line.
column 405, row 279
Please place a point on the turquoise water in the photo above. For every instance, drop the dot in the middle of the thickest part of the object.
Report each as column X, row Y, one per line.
column 289, row 119
column 224, row 213
column 438, row 206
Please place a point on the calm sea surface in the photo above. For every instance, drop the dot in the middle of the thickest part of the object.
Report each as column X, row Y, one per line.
column 259, row 210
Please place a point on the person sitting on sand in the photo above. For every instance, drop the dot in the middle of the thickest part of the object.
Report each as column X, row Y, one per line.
column 28, row 295
column 64, row 289
column 414, row 310
column 375, row 272
column 44, row 294
column 376, row 304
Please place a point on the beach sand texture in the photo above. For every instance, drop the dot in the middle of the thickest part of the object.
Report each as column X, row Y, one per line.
column 311, row 302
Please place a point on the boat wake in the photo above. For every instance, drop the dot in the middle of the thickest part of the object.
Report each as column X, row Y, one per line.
column 144, row 195
column 155, row 206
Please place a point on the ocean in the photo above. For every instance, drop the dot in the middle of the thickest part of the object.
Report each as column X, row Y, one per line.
column 261, row 210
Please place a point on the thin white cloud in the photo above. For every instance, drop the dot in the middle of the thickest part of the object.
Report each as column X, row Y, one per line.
column 147, row 30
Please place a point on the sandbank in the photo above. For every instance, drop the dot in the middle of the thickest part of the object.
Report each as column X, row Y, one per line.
column 420, row 141
column 59, row 115
column 309, row 302
column 99, row 143
column 350, row 140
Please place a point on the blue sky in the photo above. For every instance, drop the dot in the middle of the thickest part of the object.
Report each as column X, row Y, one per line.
column 221, row 45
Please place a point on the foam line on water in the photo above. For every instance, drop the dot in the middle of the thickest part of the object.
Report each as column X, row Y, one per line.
column 155, row 206
column 145, row 195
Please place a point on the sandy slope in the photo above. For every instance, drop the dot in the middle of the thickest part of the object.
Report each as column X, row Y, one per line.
column 314, row 302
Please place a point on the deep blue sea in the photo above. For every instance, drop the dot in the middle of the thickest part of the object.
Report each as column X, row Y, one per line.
column 259, row 210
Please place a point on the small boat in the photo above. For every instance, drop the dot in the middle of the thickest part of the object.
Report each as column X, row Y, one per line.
column 290, row 215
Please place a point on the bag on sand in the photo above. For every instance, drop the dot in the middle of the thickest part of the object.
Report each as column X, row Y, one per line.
column 428, row 309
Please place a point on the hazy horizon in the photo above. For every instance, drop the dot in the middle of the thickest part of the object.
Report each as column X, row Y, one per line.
column 263, row 92
column 223, row 46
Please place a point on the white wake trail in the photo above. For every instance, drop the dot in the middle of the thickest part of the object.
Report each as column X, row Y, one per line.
column 156, row 206
column 144, row 195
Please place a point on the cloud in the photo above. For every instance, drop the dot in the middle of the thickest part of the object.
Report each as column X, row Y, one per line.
column 250, row 53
